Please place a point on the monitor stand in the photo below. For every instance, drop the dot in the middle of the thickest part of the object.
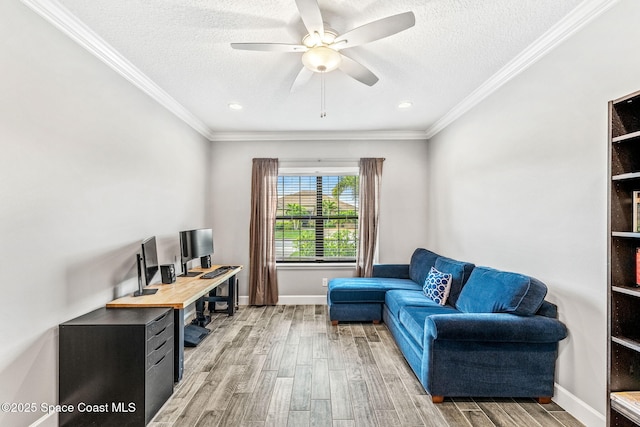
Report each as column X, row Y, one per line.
column 140, row 290
column 144, row 292
column 191, row 274
column 187, row 273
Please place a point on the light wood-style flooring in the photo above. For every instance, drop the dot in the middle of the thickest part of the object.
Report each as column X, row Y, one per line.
column 287, row 366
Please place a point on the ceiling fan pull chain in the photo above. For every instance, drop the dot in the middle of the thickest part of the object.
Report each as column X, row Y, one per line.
column 321, row 106
column 321, row 95
column 323, row 102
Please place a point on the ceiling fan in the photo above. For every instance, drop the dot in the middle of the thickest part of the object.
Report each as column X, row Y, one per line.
column 321, row 47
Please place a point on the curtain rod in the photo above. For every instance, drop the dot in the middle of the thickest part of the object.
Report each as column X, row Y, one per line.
column 320, row 160
column 323, row 160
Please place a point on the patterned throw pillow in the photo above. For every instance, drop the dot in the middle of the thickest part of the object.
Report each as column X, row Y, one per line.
column 437, row 286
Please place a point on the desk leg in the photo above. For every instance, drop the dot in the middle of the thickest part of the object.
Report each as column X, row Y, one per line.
column 231, row 299
column 178, row 344
column 201, row 319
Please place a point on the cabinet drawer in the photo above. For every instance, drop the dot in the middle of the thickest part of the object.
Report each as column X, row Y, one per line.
column 159, row 323
column 159, row 384
column 159, row 338
column 155, row 355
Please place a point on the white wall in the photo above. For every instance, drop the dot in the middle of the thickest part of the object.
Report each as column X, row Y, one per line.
column 89, row 167
column 520, row 183
column 403, row 222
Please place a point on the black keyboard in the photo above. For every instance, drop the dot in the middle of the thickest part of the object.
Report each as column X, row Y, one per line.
column 218, row 272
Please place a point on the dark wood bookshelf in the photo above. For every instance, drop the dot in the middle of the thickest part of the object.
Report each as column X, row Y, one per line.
column 627, row 137
column 626, row 176
column 623, row 297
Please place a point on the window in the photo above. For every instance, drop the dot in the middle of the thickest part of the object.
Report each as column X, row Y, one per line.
column 317, row 218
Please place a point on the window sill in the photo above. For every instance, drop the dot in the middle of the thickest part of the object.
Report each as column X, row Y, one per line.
column 316, row 266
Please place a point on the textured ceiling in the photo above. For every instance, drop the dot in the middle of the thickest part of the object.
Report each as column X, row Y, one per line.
column 184, row 47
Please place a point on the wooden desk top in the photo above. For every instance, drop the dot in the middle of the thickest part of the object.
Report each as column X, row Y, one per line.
column 178, row 295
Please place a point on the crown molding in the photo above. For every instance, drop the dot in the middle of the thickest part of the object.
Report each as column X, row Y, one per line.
column 61, row 18
column 569, row 25
column 319, row 136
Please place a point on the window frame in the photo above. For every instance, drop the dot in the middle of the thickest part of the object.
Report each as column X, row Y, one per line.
column 319, row 220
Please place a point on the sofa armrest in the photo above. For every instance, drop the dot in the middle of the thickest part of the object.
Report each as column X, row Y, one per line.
column 395, row 271
column 493, row 327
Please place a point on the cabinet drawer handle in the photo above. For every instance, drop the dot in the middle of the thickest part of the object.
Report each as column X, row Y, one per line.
column 158, row 362
column 160, row 346
column 163, row 329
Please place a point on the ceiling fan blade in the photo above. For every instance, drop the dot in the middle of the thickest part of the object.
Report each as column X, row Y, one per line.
column 270, row 47
column 358, row 71
column 375, row 30
column 311, row 16
column 302, row 78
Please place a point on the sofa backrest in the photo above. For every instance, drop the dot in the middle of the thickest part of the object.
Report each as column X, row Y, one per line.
column 460, row 272
column 423, row 259
column 421, row 262
column 548, row 309
column 494, row 291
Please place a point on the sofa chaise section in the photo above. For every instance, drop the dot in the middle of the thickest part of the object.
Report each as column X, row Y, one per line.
column 360, row 299
column 495, row 336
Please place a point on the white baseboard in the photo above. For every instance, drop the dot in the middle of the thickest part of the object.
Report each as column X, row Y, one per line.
column 292, row 299
column 578, row 408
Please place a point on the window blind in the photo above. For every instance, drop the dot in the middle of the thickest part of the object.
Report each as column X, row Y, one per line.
column 317, row 217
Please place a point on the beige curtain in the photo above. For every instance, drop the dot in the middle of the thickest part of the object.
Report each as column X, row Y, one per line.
column 263, row 280
column 368, row 213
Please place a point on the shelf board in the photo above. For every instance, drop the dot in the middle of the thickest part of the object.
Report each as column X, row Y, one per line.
column 627, row 342
column 628, row 410
column 629, row 234
column 626, row 136
column 626, row 176
column 628, row 290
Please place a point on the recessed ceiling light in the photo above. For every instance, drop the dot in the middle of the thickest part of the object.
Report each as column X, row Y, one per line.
column 235, row 106
column 405, row 104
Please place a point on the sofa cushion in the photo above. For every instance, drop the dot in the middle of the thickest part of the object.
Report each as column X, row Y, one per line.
column 460, row 272
column 413, row 318
column 397, row 271
column 421, row 262
column 365, row 289
column 436, row 286
column 397, row 299
column 494, row 291
column 548, row 309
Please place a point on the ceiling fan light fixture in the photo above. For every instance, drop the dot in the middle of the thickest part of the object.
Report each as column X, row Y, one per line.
column 321, row 59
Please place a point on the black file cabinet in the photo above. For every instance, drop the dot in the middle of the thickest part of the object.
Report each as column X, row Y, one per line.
column 116, row 366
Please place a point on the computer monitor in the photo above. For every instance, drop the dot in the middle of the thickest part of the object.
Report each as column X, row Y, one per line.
column 195, row 244
column 147, row 263
column 150, row 259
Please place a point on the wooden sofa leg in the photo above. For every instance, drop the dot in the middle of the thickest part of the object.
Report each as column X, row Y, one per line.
column 437, row 399
column 544, row 400
column 334, row 323
column 376, row 322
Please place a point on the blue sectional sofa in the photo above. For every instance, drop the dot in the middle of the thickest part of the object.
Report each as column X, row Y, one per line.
column 494, row 336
